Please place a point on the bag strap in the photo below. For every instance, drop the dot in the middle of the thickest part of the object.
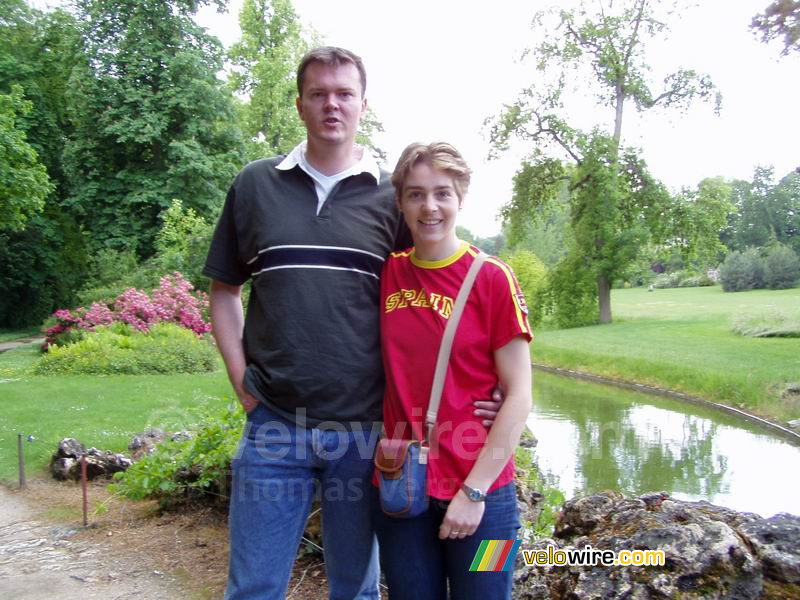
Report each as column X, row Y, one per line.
column 443, row 359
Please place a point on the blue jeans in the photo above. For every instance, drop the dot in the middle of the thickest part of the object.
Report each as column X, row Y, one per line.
column 419, row 566
column 277, row 472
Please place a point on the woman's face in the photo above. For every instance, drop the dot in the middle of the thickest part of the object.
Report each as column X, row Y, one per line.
column 429, row 204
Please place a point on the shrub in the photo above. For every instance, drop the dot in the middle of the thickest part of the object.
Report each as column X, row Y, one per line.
column 530, row 479
column 773, row 324
column 783, row 268
column 572, row 293
column 181, row 245
column 668, row 280
column 174, row 301
column 701, row 280
column 182, row 468
column 682, row 279
column 532, row 276
column 742, row 271
column 120, row 349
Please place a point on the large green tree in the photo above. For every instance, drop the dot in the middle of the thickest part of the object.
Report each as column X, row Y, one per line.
column 616, row 204
column 264, row 62
column 764, row 210
column 41, row 265
column 24, row 184
column 152, row 121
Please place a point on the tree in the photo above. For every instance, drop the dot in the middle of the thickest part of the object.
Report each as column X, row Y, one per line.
column 780, row 19
column 264, row 63
column 152, row 121
column 616, row 204
column 532, row 276
column 697, row 218
column 264, row 66
column 24, row 184
column 764, row 210
column 548, row 235
column 40, row 267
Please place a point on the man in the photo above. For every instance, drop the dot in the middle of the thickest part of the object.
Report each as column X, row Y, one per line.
column 311, row 231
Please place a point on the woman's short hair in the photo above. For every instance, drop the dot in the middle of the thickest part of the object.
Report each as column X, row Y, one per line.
column 330, row 55
column 439, row 155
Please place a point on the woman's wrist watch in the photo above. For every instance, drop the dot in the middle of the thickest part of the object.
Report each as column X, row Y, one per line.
column 473, row 494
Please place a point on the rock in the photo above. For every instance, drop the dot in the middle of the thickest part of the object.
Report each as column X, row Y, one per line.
column 66, row 461
column 144, row 444
column 710, row 551
column 69, row 448
column 101, row 463
column 777, row 543
column 61, row 467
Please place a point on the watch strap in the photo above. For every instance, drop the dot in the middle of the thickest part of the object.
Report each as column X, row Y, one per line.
column 473, row 494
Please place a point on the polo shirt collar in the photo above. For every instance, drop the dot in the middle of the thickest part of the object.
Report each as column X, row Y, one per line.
column 367, row 163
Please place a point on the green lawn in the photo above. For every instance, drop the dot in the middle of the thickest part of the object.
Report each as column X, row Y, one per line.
column 104, row 412
column 7, row 335
column 681, row 339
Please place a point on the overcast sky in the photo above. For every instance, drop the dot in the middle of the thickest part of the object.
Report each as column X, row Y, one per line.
column 437, row 68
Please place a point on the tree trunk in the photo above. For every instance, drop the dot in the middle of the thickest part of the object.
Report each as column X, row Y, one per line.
column 604, row 299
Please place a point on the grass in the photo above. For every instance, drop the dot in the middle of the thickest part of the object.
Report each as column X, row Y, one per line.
column 681, row 339
column 8, row 335
column 100, row 411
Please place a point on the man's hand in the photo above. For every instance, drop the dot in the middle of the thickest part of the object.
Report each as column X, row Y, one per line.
column 248, row 401
column 488, row 409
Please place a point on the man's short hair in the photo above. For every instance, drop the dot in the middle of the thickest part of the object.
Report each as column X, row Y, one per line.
column 439, row 155
column 334, row 56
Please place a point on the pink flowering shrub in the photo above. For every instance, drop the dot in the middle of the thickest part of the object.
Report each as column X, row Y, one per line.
column 174, row 301
column 135, row 308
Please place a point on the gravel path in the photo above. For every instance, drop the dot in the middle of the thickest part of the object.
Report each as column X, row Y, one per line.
column 40, row 561
column 10, row 345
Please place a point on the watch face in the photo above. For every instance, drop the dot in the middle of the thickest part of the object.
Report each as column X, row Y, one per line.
column 474, row 495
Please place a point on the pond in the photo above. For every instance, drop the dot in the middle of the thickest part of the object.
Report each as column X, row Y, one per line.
column 593, row 437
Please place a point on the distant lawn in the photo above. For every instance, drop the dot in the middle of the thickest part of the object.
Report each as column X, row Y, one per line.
column 681, row 339
column 100, row 411
column 7, row 335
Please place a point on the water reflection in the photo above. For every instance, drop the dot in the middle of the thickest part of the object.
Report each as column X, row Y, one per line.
column 594, row 437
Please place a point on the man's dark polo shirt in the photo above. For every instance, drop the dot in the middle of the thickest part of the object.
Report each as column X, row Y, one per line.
column 311, row 337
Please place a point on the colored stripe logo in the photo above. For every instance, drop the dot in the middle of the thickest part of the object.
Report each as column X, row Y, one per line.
column 495, row 555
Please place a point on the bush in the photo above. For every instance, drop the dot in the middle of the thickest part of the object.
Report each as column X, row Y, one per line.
column 682, row 279
column 701, row 280
column 572, row 293
column 774, row 324
column 742, row 271
column 783, row 268
column 119, row 349
column 181, row 245
column 532, row 276
column 174, row 301
column 179, row 469
column 668, row 280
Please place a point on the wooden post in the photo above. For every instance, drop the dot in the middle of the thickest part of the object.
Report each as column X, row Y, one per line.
column 85, row 493
column 21, row 452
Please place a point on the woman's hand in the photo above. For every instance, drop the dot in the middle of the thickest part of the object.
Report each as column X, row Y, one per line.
column 462, row 517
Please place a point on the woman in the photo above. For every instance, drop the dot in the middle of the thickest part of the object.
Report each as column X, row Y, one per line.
column 470, row 470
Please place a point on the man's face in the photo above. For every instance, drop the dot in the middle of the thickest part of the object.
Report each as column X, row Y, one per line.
column 331, row 104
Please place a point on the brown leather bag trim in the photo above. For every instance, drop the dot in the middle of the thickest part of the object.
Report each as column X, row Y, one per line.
column 390, row 456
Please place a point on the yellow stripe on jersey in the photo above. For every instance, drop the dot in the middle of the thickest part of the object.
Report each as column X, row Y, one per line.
column 401, row 253
column 439, row 264
column 523, row 324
